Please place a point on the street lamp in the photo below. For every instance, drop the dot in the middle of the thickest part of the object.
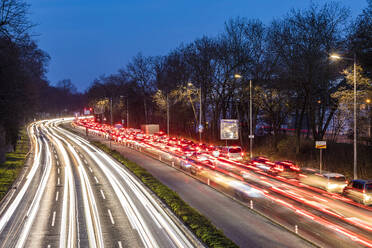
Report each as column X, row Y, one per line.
column 338, row 57
column 251, row 136
column 200, row 111
column 368, row 101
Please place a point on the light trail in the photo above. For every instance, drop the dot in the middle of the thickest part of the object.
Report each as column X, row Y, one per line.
column 34, row 207
column 35, row 166
column 134, row 215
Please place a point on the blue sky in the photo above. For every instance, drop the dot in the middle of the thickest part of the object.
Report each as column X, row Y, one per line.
column 88, row 38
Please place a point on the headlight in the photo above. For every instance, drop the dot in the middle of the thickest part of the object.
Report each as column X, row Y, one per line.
column 367, row 197
column 332, row 186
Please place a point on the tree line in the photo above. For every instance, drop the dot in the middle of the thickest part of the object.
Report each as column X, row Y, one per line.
column 25, row 92
column 295, row 82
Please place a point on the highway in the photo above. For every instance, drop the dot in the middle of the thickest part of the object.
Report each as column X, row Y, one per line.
column 74, row 195
column 327, row 219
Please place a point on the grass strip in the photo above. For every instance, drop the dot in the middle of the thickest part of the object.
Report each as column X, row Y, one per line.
column 196, row 222
column 14, row 163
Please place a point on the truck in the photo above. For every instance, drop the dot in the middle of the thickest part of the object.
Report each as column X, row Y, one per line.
column 150, row 128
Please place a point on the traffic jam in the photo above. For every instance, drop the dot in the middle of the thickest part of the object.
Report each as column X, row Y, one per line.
column 324, row 197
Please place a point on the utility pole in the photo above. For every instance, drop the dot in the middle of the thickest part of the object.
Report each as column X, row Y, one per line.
column 110, row 119
column 200, row 116
column 250, row 120
column 355, row 121
column 167, row 115
column 127, row 113
column 335, row 56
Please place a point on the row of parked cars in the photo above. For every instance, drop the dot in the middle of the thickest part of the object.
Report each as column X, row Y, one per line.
column 206, row 156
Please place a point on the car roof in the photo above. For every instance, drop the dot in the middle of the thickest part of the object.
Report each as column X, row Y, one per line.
column 333, row 174
column 363, row 180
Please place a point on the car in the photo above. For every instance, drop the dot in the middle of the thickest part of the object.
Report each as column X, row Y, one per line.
column 262, row 163
column 208, row 164
column 286, row 169
column 360, row 191
column 329, row 181
column 189, row 165
column 232, row 152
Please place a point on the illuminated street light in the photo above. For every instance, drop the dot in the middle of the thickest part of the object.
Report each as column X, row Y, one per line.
column 251, row 136
column 338, row 57
column 335, row 56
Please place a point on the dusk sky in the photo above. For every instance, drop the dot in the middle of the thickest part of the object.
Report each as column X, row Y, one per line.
column 88, row 38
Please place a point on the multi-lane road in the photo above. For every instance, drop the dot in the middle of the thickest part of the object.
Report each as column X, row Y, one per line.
column 327, row 219
column 74, row 195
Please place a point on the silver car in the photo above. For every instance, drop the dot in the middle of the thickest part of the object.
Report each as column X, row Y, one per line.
column 332, row 182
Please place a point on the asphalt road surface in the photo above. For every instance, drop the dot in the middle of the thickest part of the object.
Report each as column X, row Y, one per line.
column 74, row 195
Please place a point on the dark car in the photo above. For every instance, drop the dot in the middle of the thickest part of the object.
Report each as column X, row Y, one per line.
column 286, row 169
column 360, row 191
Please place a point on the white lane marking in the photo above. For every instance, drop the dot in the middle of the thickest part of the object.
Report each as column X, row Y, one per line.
column 54, row 218
column 57, row 194
column 103, row 195
column 57, row 162
column 95, row 178
column 58, row 181
column 111, row 218
column 86, row 162
column 54, row 151
column 58, row 170
column 120, row 245
column 90, row 168
column 81, row 155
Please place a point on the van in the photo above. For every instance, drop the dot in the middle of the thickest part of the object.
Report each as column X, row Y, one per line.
column 360, row 191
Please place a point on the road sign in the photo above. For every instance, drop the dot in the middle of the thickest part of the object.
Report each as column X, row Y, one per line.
column 200, row 128
column 229, row 129
column 251, row 136
column 321, row 144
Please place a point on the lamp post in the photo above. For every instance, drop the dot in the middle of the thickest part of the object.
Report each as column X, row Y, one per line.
column 167, row 115
column 200, row 111
column 337, row 57
column 368, row 102
column 251, row 136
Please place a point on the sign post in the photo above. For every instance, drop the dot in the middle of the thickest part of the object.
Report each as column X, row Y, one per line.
column 321, row 145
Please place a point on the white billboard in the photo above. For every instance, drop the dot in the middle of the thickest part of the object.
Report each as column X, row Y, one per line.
column 229, row 129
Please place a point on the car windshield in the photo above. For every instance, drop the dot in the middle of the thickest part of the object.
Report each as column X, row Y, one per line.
column 338, row 179
column 235, row 150
column 369, row 188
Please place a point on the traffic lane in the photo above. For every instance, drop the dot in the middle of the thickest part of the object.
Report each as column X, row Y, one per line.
column 347, row 205
column 350, row 215
column 114, row 222
column 237, row 222
column 153, row 224
column 45, row 231
column 325, row 204
column 82, row 217
column 13, row 228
